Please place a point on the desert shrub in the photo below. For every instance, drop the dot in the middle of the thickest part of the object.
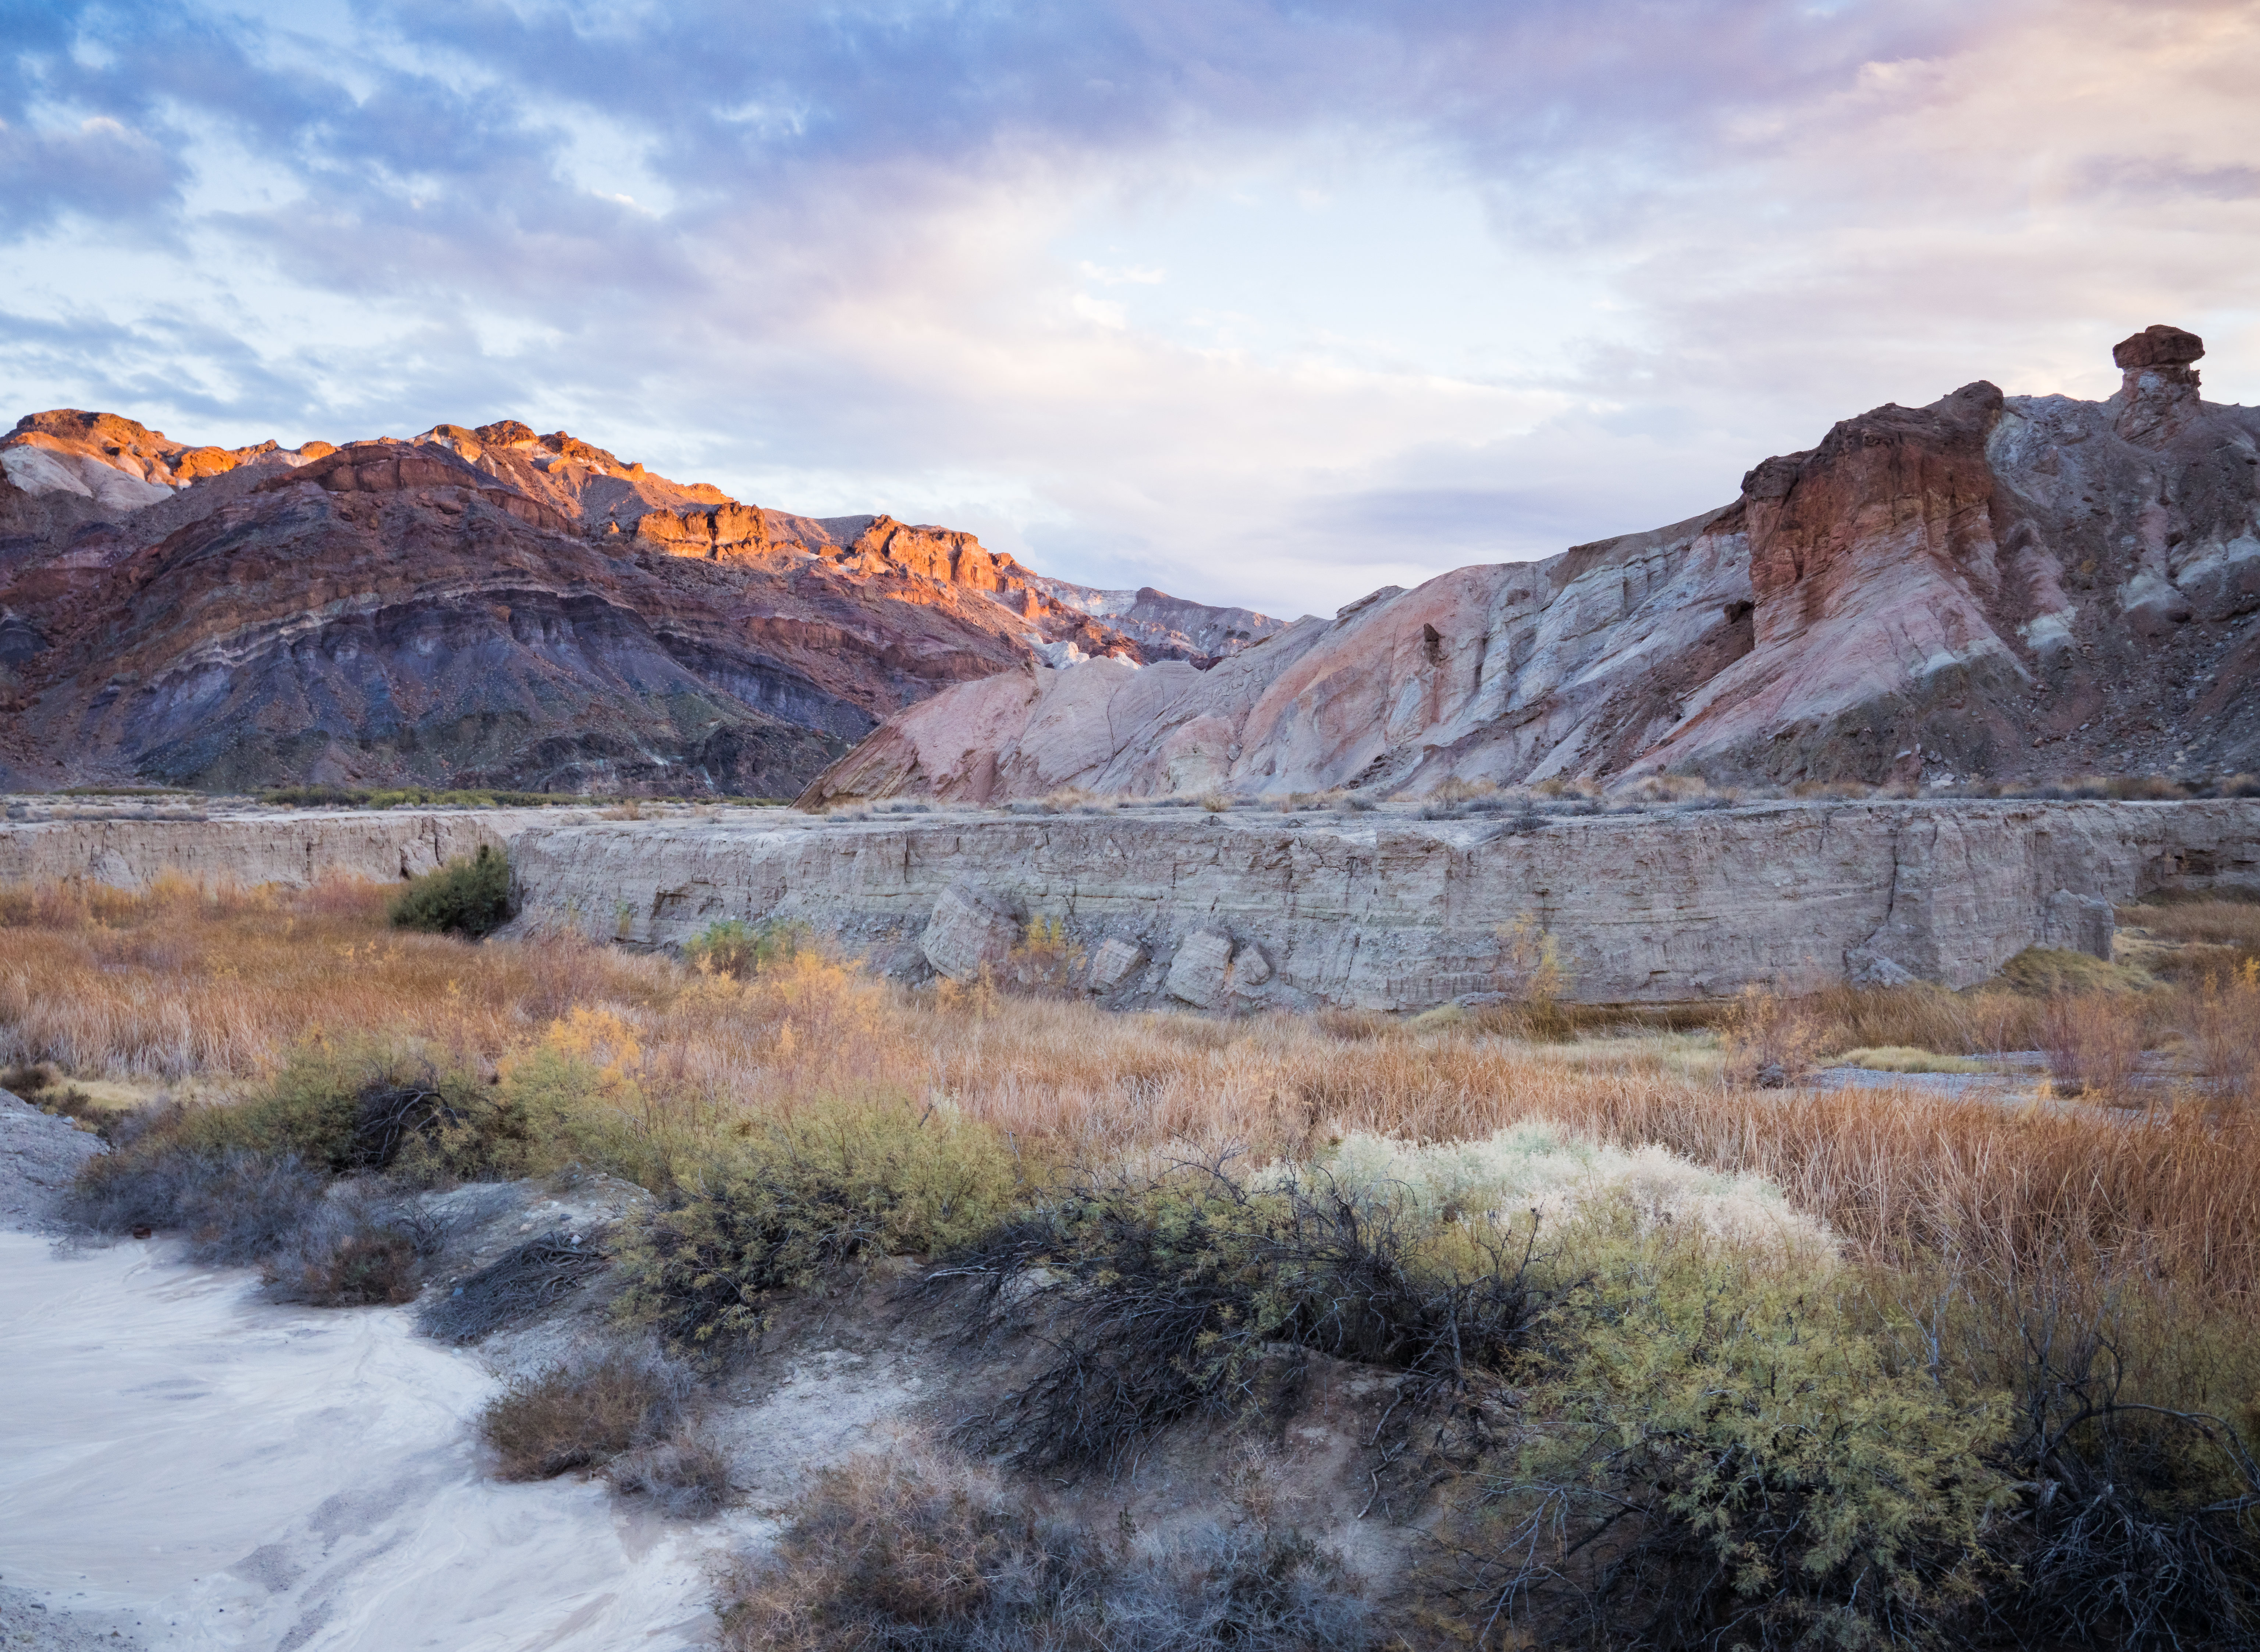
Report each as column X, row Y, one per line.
column 522, row 1282
column 1713, row 1455
column 686, row 1478
column 2052, row 972
column 1162, row 1296
column 1770, row 1040
column 1538, row 1168
column 350, row 1108
column 469, row 898
column 797, row 1202
column 2229, row 918
column 319, row 795
column 235, row 1205
column 39, row 1085
column 919, row 1549
column 2093, row 1041
column 354, row 1248
column 736, row 949
column 1923, row 1016
column 27, row 1080
column 1044, row 963
column 1529, row 978
column 1216, row 802
column 2128, row 1451
column 583, row 1413
column 1353, row 1026
column 2224, row 1033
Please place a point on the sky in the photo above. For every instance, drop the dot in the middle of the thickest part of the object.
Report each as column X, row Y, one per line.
column 1258, row 303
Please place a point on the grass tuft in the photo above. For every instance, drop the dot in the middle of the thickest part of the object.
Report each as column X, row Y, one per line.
column 582, row 1412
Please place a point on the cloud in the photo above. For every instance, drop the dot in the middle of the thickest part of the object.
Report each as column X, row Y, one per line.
column 1252, row 301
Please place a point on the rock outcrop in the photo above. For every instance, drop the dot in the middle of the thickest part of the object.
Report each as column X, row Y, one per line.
column 1235, row 910
column 1994, row 586
column 245, row 851
column 1241, row 910
column 473, row 607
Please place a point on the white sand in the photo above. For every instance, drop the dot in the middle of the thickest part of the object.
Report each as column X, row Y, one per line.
column 235, row 1473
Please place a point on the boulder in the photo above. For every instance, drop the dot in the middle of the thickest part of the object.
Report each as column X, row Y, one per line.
column 1114, row 962
column 1200, row 974
column 2159, row 345
column 2079, row 923
column 1866, row 968
column 970, row 929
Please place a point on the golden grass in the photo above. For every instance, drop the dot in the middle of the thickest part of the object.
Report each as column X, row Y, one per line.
column 1898, row 1058
column 2209, row 923
column 178, row 982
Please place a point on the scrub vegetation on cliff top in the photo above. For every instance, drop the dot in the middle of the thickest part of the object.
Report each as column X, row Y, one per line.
column 1680, row 1361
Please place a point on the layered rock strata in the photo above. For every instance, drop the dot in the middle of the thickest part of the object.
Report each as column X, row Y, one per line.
column 1239, row 910
column 1997, row 586
column 245, row 851
column 1235, row 910
column 486, row 608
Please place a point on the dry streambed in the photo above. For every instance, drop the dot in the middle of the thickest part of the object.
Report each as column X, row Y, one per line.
column 186, row 1464
column 209, row 1470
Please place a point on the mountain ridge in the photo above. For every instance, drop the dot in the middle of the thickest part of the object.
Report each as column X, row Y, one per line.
column 1988, row 586
column 478, row 606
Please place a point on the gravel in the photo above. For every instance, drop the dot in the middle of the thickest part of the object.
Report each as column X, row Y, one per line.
column 29, row 1625
column 38, row 1155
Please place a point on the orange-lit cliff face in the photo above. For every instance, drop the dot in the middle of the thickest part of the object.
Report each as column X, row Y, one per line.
column 1995, row 586
column 471, row 606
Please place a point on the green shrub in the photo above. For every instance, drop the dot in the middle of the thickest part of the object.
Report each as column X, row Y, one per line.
column 801, row 1200
column 1713, row 1456
column 246, row 1182
column 348, row 1109
column 2136, row 1408
column 738, row 949
column 469, row 898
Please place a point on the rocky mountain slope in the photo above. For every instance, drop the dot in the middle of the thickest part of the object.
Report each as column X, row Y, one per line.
column 1989, row 586
column 484, row 607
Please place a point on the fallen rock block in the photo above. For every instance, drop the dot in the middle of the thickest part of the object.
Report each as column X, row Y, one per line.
column 969, row 928
column 1115, row 961
column 2079, row 923
column 1202, row 970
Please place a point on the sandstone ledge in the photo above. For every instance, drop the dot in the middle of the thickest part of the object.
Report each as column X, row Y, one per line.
column 1380, row 912
column 268, row 847
column 1394, row 914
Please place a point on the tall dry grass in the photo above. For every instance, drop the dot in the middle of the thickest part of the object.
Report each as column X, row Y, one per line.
column 179, row 981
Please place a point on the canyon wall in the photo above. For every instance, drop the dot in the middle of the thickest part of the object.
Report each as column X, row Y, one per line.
column 1248, row 910
column 249, row 850
column 1244, row 911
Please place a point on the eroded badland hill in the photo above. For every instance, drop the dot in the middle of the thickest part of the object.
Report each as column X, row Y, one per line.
column 485, row 607
column 1997, row 586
